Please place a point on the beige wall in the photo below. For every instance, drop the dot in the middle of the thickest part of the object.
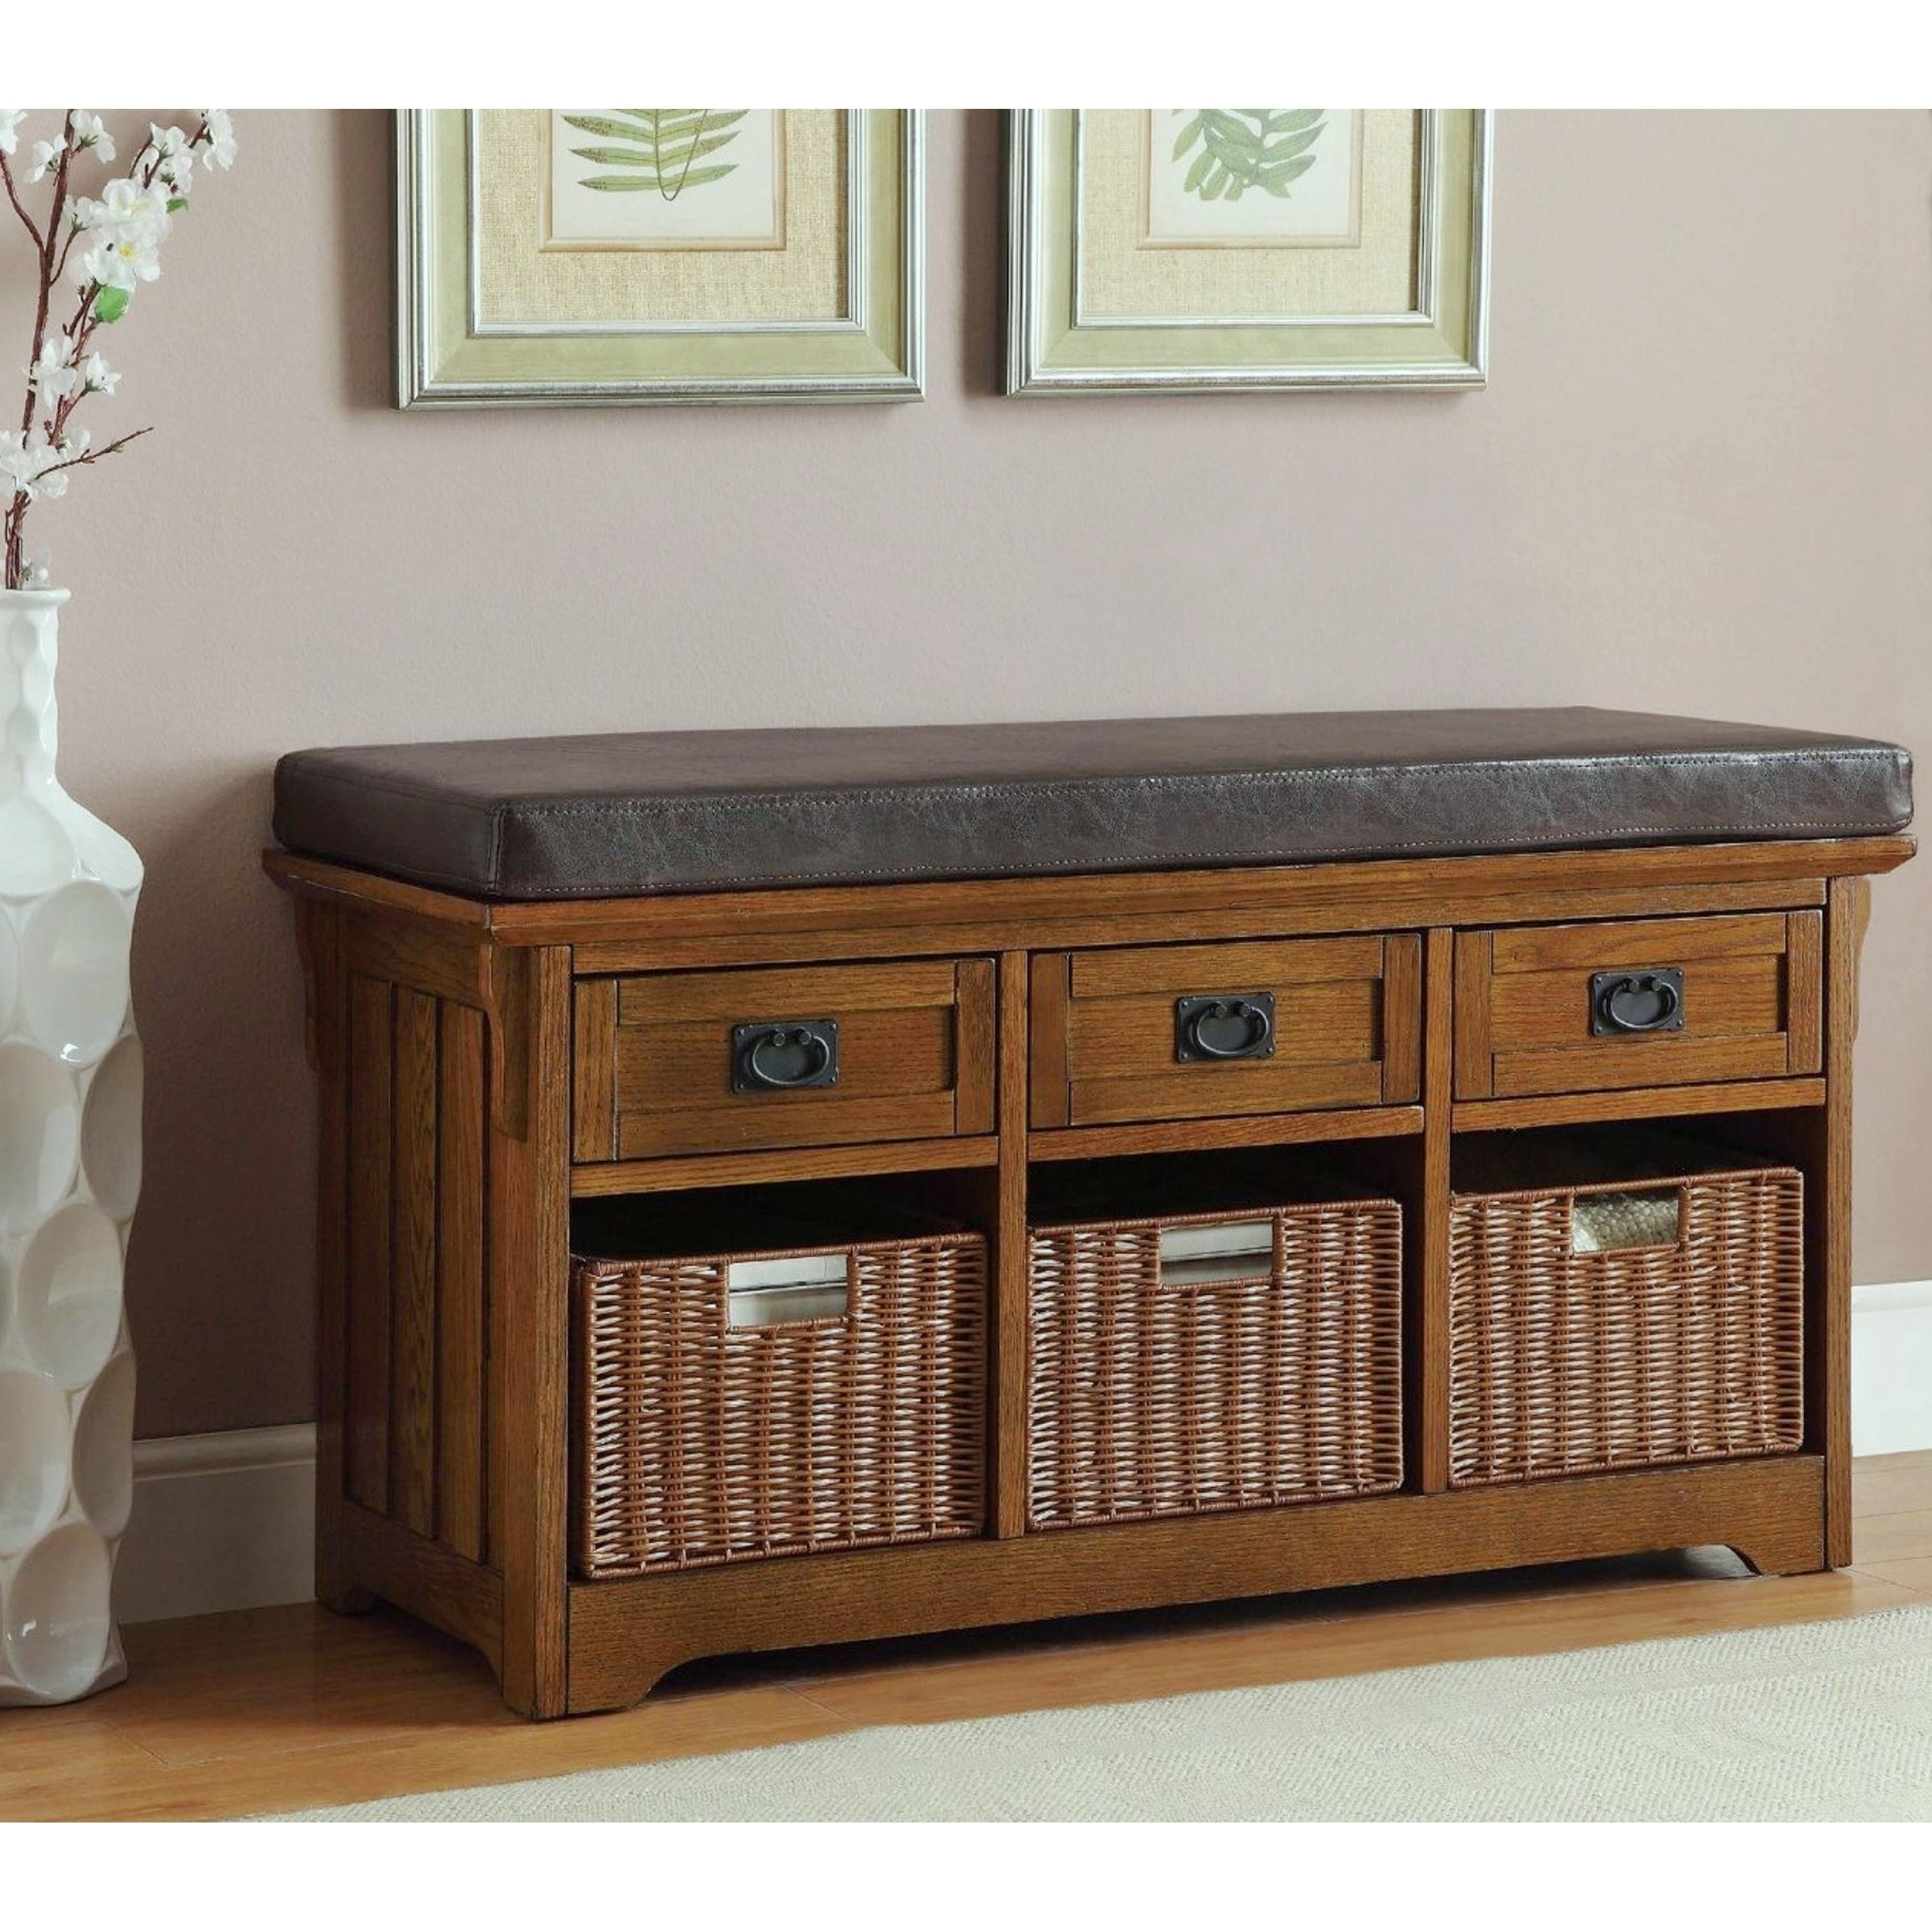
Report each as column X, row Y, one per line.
column 1700, row 479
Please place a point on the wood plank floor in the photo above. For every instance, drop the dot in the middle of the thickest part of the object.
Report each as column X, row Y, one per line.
column 267, row 1711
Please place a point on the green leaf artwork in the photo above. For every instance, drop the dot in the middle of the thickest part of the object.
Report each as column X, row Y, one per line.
column 660, row 146
column 1244, row 148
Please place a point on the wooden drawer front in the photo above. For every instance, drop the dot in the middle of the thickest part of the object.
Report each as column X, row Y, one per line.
column 1346, row 1030
column 1524, row 1016
column 655, row 1062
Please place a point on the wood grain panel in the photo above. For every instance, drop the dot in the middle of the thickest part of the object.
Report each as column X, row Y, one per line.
column 1804, row 991
column 625, row 1635
column 432, row 1582
column 1238, row 1087
column 830, row 1121
column 1332, row 897
column 1659, row 1062
column 1428, row 1365
column 591, row 1179
column 975, row 1046
column 1643, row 1103
column 528, row 1249
column 412, row 1377
column 1010, row 1260
column 748, row 943
column 1121, row 1061
column 1723, row 999
column 461, row 1115
column 661, row 1069
column 904, row 1044
column 1353, row 1123
column 1636, row 943
column 371, row 1074
column 805, row 993
column 593, row 1046
column 1474, row 1056
column 1828, row 1251
column 1525, row 1019
column 1401, row 1018
column 1046, row 1037
column 1177, row 969
column 450, row 965
column 1314, row 1026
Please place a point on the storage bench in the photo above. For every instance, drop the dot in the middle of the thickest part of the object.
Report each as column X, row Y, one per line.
column 783, row 1188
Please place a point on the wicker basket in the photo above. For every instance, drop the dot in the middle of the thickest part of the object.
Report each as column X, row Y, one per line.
column 700, row 1441
column 1686, row 1349
column 1153, row 1397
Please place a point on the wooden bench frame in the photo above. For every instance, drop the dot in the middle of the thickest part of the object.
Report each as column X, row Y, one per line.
column 440, row 1030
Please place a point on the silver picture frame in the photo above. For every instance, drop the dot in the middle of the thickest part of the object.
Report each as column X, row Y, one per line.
column 1054, row 347
column 449, row 356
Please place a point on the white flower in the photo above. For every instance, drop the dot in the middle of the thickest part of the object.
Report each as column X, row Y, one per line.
column 46, row 157
column 129, row 223
column 220, row 151
column 90, row 133
column 167, row 140
column 96, row 378
column 35, row 571
column 25, row 462
column 127, row 204
column 52, row 373
column 178, row 171
column 10, row 119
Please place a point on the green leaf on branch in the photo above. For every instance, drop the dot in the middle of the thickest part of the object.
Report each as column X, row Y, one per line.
column 110, row 304
column 661, row 146
column 1264, row 147
column 176, row 203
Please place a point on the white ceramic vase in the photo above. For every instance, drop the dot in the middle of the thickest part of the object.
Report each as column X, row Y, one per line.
column 70, row 1170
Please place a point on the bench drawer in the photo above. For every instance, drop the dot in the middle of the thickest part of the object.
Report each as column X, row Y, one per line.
column 1167, row 1032
column 1636, row 1003
column 707, row 1063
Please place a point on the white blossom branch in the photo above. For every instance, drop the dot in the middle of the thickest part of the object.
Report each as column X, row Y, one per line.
column 121, row 233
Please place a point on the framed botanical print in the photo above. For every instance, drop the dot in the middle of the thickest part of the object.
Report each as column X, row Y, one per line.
column 1247, row 248
column 658, row 255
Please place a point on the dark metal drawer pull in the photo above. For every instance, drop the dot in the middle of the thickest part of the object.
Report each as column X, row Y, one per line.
column 778, row 1056
column 1651, row 1001
column 1224, row 1026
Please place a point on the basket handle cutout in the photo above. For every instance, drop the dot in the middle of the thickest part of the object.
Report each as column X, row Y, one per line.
column 790, row 1287
column 1602, row 1224
column 1195, row 1255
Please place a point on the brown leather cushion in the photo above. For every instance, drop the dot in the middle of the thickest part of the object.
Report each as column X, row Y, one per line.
column 686, row 811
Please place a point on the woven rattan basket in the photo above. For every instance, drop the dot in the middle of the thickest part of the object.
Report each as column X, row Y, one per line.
column 1685, row 1349
column 700, row 1442
column 1149, row 1397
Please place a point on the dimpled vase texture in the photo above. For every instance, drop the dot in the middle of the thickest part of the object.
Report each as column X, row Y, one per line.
column 70, row 1169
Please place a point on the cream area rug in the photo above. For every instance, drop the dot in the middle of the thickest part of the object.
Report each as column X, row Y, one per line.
column 1825, row 1720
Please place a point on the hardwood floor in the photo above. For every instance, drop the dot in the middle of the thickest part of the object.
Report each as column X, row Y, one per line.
column 267, row 1710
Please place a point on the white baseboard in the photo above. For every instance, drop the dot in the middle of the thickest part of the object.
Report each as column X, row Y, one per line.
column 226, row 1521
column 1891, row 1368
column 223, row 1522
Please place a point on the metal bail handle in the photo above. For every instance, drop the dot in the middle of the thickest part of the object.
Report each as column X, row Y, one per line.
column 1651, row 1001
column 1224, row 1026
column 778, row 1056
